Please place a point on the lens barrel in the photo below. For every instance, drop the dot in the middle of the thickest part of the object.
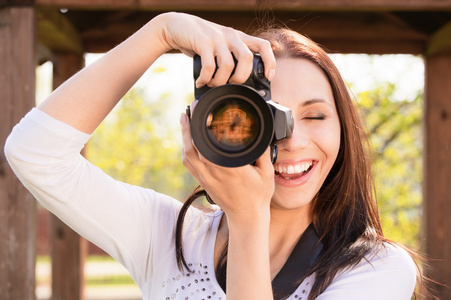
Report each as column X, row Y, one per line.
column 232, row 125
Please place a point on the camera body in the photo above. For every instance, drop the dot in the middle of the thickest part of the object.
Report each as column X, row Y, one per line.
column 233, row 124
column 256, row 80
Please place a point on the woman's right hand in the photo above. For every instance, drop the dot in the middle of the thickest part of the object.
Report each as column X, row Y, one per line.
column 88, row 97
column 193, row 35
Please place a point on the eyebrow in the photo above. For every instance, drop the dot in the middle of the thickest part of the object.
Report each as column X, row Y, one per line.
column 314, row 101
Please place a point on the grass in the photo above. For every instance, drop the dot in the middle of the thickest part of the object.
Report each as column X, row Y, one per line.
column 105, row 278
column 109, row 280
column 99, row 271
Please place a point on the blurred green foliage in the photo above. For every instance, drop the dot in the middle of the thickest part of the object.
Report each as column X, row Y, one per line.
column 138, row 144
column 395, row 132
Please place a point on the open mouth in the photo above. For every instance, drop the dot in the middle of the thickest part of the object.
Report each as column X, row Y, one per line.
column 293, row 171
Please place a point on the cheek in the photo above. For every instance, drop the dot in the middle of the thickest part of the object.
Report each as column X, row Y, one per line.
column 329, row 140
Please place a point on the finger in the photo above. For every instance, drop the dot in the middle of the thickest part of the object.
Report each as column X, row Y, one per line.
column 225, row 66
column 192, row 106
column 244, row 65
column 186, row 138
column 196, row 163
column 269, row 62
column 186, row 162
column 208, row 67
column 264, row 163
column 190, row 154
column 263, row 47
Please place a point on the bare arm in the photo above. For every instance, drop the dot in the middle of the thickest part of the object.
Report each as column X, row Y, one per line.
column 85, row 99
column 244, row 194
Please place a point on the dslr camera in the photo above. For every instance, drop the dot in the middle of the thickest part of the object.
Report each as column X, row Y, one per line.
column 233, row 124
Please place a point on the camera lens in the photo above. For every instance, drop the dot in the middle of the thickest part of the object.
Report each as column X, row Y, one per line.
column 233, row 125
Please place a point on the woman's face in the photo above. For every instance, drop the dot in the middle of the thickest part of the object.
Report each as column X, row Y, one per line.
column 304, row 159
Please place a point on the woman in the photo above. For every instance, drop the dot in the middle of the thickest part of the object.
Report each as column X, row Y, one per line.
column 321, row 177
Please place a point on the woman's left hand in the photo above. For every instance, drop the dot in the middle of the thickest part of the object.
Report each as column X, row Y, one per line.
column 241, row 192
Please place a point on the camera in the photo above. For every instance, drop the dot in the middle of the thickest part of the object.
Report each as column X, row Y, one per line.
column 233, row 124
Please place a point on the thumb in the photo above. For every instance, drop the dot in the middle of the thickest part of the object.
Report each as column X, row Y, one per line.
column 264, row 162
column 186, row 130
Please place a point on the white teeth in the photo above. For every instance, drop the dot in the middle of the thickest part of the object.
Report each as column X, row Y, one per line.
column 298, row 169
column 293, row 169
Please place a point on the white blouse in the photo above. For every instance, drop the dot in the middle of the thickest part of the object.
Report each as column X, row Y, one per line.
column 136, row 225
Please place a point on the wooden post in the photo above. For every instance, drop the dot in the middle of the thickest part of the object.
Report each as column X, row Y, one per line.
column 68, row 252
column 17, row 206
column 438, row 169
column 68, row 249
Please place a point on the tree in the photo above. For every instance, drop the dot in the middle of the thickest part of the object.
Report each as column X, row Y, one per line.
column 135, row 144
column 395, row 131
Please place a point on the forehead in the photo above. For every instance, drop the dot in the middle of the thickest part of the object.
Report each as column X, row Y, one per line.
column 299, row 79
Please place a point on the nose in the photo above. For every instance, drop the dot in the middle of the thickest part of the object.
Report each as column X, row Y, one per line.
column 298, row 140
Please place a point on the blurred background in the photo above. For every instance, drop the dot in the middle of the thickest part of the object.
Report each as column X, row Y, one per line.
column 395, row 56
column 140, row 142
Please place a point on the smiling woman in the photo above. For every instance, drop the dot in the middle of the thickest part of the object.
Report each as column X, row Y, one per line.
column 323, row 174
column 316, row 135
column 314, row 209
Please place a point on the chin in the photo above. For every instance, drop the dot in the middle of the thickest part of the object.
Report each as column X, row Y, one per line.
column 285, row 201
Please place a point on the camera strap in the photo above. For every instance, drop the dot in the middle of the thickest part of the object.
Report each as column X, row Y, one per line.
column 302, row 258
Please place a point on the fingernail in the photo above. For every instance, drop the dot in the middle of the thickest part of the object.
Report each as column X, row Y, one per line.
column 183, row 118
column 271, row 74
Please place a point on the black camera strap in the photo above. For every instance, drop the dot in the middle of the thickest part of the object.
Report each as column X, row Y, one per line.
column 302, row 258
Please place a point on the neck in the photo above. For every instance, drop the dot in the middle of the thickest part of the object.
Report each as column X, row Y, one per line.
column 288, row 224
column 286, row 228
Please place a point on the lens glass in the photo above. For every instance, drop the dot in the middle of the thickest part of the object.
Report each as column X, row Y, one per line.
column 233, row 125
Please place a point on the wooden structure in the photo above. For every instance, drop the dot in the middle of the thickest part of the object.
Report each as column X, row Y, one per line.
column 34, row 31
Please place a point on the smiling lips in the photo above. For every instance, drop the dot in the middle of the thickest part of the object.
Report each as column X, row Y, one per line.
column 293, row 171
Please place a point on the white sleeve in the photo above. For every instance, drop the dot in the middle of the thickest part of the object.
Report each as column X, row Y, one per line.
column 45, row 155
column 390, row 275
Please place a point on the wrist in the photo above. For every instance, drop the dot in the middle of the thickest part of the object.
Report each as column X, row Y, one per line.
column 158, row 27
column 160, row 23
column 254, row 220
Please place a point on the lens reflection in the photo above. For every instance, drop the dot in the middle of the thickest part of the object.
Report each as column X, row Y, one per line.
column 233, row 125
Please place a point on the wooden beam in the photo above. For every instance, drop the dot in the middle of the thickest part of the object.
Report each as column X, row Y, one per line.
column 151, row 4
column 368, row 5
column 17, row 206
column 373, row 33
column 57, row 33
column 68, row 249
column 437, row 166
column 335, row 5
column 371, row 46
column 440, row 41
column 16, row 3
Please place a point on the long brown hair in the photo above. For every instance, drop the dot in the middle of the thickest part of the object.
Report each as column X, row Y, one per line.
column 345, row 214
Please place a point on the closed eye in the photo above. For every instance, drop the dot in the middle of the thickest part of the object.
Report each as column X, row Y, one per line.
column 316, row 117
